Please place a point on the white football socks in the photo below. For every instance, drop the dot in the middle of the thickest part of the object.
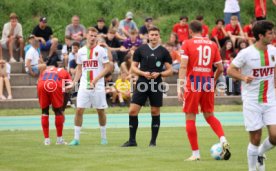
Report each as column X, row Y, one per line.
column 265, row 146
column 77, row 133
column 252, row 156
column 103, row 132
column 196, row 153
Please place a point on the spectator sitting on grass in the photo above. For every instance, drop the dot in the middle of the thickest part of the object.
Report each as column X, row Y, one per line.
column 5, row 70
column 123, row 88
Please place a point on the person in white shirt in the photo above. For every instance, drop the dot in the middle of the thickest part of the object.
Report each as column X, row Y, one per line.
column 231, row 7
column 255, row 66
column 92, row 65
column 33, row 61
column 12, row 37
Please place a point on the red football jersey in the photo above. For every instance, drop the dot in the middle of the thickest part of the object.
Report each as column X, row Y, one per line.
column 202, row 54
column 205, row 30
column 248, row 30
column 58, row 75
column 234, row 30
column 217, row 33
column 258, row 10
column 181, row 31
column 49, row 87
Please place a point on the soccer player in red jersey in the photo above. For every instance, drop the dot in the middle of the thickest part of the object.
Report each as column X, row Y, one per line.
column 50, row 89
column 198, row 55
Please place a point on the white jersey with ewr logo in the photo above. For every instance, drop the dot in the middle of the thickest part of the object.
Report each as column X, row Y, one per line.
column 260, row 65
column 92, row 61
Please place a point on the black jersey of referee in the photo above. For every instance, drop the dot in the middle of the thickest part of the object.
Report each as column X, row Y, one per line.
column 152, row 59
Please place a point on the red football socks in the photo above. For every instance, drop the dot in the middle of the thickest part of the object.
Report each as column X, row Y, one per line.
column 192, row 134
column 59, row 120
column 215, row 125
column 45, row 125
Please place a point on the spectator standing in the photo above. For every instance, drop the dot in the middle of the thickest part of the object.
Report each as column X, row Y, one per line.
column 231, row 7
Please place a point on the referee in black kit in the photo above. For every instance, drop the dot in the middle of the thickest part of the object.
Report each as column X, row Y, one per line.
column 152, row 58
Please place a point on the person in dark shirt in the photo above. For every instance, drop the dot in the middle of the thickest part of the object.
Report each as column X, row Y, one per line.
column 116, row 48
column 44, row 34
column 152, row 58
column 143, row 32
column 102, row 29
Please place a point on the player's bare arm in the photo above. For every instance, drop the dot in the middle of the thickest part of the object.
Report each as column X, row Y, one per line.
column 109, row 54
column 234, row 72
column 182, row 77
column 78, row 73
column 218, row 71
column 136, row 70
column 168, row 72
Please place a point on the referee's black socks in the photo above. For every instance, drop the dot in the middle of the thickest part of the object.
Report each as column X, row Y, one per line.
column 133, row 125
column 155, row 124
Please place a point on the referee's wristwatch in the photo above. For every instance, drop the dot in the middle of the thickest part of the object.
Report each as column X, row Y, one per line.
column 160, row 74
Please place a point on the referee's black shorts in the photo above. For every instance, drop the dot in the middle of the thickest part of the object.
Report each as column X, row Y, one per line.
column 144, row 90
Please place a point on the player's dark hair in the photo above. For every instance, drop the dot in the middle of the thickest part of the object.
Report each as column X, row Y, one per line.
column 261, row 27
column 195, row 26
column 76, row 44
column 154, row 28
column 220, row 20
column 183, row 17
column 199, row 17
column 108, row 75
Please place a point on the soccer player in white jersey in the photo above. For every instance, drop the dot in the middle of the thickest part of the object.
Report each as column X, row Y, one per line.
column 257, row 65
column 93, row 65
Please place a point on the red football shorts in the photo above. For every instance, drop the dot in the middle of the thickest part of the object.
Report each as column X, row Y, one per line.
column 194, row 99
column 49, row 93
